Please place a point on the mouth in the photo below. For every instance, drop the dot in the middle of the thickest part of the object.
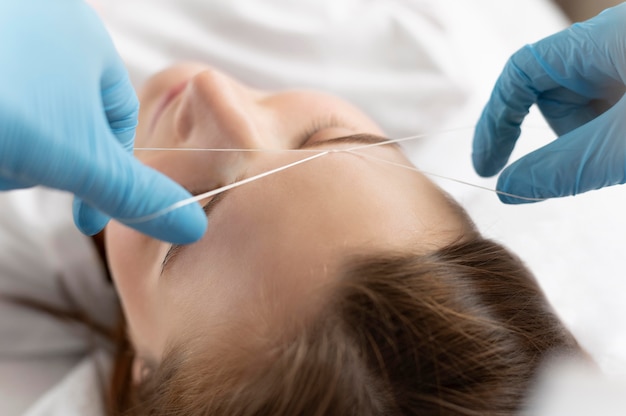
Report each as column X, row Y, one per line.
column 168, row 97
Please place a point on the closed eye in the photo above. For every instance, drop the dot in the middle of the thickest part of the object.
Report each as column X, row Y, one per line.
column 209, row 207
column 318, row 124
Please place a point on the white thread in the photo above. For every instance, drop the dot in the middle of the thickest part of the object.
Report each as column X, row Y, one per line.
column 205, row 195
column 191, row 149
column 318, row 153
column 400, row 165
column 259, row 150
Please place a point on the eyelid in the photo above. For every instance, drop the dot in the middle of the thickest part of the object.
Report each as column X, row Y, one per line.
column 171, row 253
column 175, row 248
column 317, row 124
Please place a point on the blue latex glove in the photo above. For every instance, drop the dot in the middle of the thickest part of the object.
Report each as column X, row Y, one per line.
column 67, row 120
column 577, row 78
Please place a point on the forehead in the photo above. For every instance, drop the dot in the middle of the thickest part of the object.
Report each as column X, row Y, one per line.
column 274, row 242
column 335, row 203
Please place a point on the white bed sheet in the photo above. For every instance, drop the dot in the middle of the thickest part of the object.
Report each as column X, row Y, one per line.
column 416, row 66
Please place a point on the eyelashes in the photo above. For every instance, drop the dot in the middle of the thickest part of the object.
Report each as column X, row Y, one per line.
column 175, row 249
column 317, row 124
column 171, row 253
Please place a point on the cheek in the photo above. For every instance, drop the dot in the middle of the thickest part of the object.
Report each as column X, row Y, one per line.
column 134, row 261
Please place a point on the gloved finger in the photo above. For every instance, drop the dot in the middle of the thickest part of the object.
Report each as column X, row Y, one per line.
column 89, row 220
column 498, row 128
column 180, row 226
column 566, row 110
column 590, row 157
column 120, row 102
column 599, row 48
column 8, row 185
column 127, row 190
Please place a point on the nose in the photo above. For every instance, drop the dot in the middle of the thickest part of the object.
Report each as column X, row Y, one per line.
column 218, row 112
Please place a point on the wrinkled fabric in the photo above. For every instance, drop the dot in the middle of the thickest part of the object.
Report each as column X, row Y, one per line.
column 44, row 258
column 415, row 66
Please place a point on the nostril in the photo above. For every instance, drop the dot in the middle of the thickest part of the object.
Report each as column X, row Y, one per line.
column 184, row 119
column 166, row 100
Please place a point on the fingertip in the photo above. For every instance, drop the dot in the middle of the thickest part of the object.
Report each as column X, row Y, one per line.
column 514, row 188
column 183, row 225
column 510, row 199
column 488, row 155
column 498, row 128
column 189, row 224
column 157, row 206
column 482, row 166
column 87, row 219
column 504, row 191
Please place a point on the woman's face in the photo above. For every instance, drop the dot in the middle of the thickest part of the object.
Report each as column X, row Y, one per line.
column 273, row 242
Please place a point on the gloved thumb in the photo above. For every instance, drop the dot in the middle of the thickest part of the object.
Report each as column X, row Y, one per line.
column 89, row 220
column 130, row 190
column 590, row 157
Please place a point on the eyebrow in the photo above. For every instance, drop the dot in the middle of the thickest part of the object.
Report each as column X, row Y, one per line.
column 359, row 138
column 175, row 249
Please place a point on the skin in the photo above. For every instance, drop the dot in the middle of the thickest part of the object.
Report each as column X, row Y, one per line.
column 274, row 242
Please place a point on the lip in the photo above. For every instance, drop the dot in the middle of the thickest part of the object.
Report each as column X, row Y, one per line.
column 168, row 97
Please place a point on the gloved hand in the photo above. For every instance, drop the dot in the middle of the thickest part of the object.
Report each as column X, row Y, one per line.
column 67, row 120
column 577, row 78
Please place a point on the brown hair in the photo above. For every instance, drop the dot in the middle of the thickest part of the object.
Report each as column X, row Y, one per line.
column 460, row 331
